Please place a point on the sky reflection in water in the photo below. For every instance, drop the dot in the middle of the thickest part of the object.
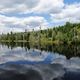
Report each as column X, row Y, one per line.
column 32, row 55
column 19, row 63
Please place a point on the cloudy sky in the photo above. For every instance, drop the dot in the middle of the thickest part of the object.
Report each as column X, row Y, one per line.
column 18, row 15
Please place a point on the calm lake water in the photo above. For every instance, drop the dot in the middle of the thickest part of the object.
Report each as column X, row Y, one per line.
column 31, row 55
column 25, row 61
column 10, row 52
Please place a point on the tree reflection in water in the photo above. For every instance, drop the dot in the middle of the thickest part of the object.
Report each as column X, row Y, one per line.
column 67, row 50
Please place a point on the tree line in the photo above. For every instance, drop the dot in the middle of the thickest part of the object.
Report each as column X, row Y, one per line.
column 66, row 34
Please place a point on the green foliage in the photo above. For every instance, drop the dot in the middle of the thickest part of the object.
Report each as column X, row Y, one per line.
column 69, row 33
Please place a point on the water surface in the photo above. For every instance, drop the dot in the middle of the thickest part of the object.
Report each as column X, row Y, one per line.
column 24, row 61
column 28, row 55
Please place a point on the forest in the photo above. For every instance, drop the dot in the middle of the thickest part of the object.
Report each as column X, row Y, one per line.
column 66, row 34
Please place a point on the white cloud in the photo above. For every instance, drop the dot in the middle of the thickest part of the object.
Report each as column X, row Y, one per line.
column 51, row 6
column 8, row 24
column 69, row 13
column 57, row 9
column 27, row 6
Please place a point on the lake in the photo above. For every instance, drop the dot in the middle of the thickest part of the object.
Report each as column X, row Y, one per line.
column 26, row 61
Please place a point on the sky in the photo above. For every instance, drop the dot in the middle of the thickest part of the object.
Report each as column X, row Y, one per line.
column 18, row 15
